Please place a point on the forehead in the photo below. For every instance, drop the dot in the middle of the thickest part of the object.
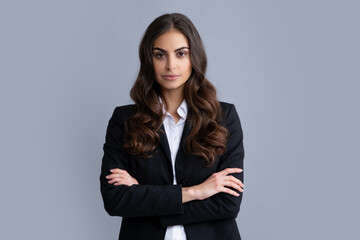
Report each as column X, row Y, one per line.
column 171, row 40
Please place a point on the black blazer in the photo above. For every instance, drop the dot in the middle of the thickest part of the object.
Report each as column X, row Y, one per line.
column 148, row 208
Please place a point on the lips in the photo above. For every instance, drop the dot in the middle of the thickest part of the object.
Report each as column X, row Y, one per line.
column 171, row 77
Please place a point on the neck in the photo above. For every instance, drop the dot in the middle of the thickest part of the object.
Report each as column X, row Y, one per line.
column 173, row 99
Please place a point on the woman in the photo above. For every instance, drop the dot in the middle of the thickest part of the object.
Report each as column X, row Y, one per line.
column 172, row 165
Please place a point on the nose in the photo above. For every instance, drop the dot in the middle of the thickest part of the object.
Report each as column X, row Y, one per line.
column 170, row 63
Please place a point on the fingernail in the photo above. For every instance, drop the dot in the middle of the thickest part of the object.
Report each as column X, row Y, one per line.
column 111, row 170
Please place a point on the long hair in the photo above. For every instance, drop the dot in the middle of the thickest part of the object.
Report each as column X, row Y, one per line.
column 207, row 138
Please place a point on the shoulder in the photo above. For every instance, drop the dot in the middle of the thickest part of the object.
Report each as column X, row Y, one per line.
column 226, row 106
column 228, row 109
column 124, row 112
column 230, row 115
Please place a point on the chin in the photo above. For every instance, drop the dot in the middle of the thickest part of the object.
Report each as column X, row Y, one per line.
column 171, row 86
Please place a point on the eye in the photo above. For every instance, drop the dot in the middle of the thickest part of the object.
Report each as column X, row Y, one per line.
column 181, row 54
column 159, row 55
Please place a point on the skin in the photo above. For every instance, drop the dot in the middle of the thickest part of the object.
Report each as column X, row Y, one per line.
column 171, row 57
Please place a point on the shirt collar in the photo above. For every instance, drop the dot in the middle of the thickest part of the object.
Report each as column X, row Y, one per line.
column 182, row 109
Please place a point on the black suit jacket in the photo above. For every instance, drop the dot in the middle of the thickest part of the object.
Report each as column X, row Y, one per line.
column 148, row 208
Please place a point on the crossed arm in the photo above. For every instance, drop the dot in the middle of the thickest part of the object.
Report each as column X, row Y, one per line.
column 217, row 182
column 218, row 197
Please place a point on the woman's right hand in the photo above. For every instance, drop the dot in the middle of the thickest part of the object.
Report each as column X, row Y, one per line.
column 121, row 177
column 217, row 182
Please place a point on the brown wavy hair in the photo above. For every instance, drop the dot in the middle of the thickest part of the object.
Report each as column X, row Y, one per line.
column 207, row 138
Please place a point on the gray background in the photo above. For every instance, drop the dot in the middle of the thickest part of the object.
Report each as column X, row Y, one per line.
column 290, row 67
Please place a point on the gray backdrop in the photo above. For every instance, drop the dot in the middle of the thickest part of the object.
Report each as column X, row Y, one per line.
column 290, row 67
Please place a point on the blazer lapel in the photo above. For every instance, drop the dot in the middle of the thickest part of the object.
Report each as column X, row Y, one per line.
column 184, row 135
column 165, row 144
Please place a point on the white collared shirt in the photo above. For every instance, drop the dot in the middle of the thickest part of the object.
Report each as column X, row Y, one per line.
column 173, row 133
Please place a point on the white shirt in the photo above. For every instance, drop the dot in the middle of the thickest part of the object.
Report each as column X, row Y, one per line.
column 173, row 133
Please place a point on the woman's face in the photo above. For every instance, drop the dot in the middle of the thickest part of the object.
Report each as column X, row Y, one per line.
column 171, row 60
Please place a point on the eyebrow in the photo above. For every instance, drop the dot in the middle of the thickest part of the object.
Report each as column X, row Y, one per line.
column 163, row 50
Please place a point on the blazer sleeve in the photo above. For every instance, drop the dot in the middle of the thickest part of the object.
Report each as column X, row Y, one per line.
column 136, row 200
column 221, row 205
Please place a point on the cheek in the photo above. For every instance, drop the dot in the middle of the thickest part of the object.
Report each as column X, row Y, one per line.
column 189, row 67
column 156, row 66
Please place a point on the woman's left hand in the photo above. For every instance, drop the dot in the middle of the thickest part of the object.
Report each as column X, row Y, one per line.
column 121, row 177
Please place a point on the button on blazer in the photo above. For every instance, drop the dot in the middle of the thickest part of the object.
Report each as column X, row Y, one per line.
column 155, row 203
